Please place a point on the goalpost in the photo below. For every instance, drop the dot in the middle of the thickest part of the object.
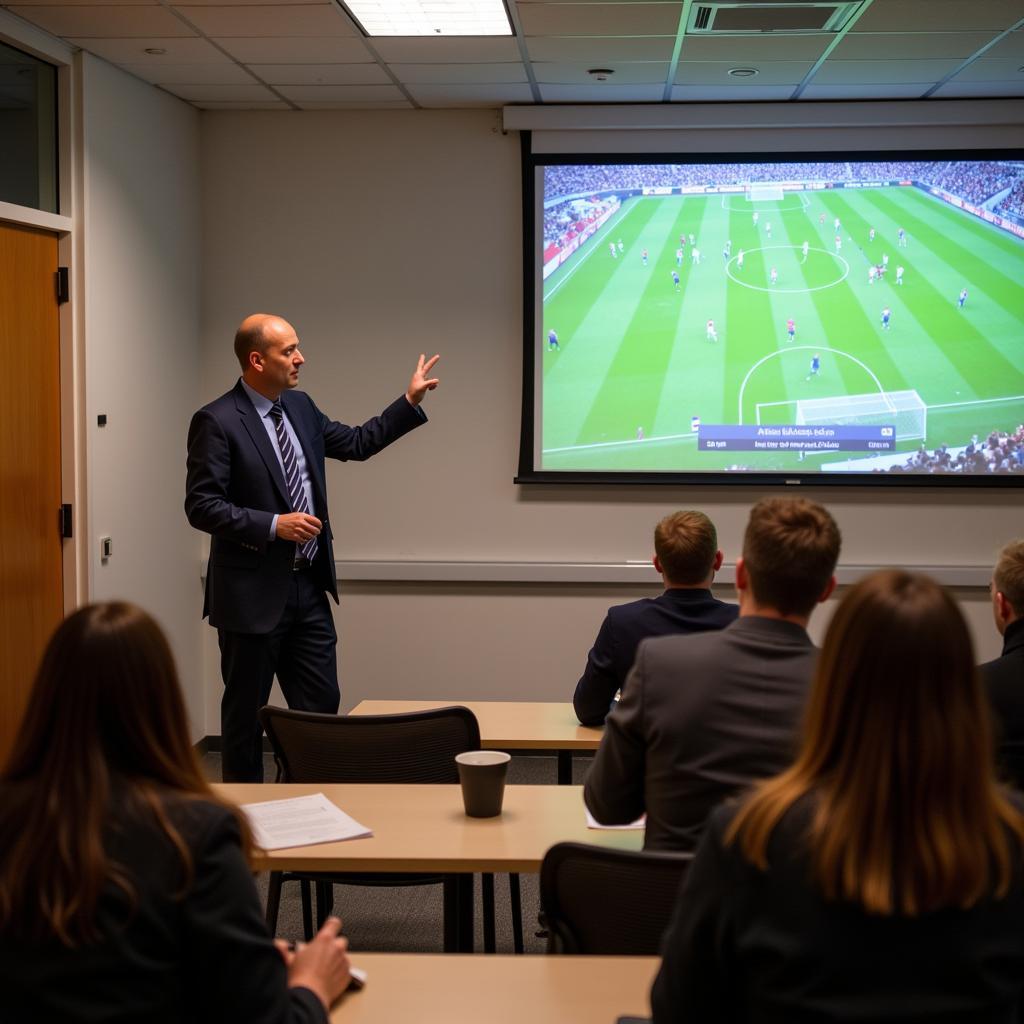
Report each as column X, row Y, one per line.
column 905, row 410
column 763, row 191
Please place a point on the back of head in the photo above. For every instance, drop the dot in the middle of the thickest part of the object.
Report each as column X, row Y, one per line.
column 897, row 751
column 790, row 550
column 686, row 544
column 105, row 706
column 1008, row 576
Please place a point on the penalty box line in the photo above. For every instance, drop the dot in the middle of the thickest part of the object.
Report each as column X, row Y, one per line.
column 691, row 436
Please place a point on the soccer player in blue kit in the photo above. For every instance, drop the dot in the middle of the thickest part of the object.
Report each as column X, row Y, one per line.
column 553, row 341
column 961, row 299
column 675, row 279
column 815, row 366
column 886, row 313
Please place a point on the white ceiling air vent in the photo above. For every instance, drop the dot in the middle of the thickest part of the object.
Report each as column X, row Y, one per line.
column 748, row 17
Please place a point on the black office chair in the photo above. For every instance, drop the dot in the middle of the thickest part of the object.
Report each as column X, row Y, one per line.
column 608, row 902
column 414, row 748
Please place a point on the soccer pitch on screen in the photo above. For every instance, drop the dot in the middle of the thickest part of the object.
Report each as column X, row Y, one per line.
column 778, row 319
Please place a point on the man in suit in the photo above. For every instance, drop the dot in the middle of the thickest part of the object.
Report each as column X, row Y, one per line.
column 256, row 483
column 1003, row 678
column 686, row 555
column 703, row 716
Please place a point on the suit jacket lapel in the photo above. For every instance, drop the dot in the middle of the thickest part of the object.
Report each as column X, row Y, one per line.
column 250, row 419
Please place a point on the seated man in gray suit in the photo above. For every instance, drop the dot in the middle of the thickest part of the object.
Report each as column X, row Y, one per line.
column 1003, row 678
column 703, row 716
column 687, row 556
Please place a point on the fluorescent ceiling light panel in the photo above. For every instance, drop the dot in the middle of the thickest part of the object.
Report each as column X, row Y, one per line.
column 431, row 17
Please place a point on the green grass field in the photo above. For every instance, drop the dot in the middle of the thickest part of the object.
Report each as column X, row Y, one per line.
column 635, row 354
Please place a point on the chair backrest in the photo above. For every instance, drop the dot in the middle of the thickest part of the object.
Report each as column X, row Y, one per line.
column 608, row 902
column 419, row 746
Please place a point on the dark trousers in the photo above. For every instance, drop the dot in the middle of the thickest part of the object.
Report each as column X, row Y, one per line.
column 300, row 651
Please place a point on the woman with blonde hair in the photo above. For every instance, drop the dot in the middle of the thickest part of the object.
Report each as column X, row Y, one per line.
column 879, row 877
column 125, row 893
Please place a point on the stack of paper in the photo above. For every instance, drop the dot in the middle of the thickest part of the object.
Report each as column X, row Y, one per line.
column 301, row 821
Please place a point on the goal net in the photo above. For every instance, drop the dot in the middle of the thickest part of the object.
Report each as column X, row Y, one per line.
column 759, row 192
column 903, row 410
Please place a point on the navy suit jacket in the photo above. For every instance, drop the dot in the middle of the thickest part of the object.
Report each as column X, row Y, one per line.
column 1004, row 680
column 235, row 487
column 677, row 610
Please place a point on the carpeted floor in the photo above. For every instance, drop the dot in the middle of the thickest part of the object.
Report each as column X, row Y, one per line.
column 409, row 919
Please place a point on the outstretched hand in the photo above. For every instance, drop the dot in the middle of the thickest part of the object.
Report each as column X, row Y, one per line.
column 421, row 383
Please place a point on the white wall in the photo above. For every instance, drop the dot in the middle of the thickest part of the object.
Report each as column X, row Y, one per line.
column 141, row 244
column 383, row 235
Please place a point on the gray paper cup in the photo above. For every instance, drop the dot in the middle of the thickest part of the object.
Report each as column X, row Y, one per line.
column 482, row 774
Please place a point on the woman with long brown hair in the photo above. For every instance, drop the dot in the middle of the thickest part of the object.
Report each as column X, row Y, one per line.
column 124, row 889
column 881, row 877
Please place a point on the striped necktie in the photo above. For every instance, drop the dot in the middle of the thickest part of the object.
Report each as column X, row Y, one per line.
column 291, row 475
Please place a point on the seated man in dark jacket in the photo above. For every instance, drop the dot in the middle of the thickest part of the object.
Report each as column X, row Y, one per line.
column 687, row 556
column 1004, row 677
column 703, row 716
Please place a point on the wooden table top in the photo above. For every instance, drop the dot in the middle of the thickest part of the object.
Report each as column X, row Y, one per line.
column 403, row 988
column 424, row 828
column 507, row 725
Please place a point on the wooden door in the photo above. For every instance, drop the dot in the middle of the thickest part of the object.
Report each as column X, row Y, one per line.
column 31, row 584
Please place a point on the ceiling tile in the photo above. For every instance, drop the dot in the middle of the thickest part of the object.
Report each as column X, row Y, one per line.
column 331, row 50
column 229, row 105
column 341, row 93
column 495, row 95
column 226, row 73
column 755, row 48
column 867, row 91
column 602, row 92
column 780, row 72
column 293, row 20
column 938, row 15
column 1011, row 46
column 321, row 74
column 133, row 51
column 866, row 72
column 909, row 45
column 985, row 70
column 590, row 19
column 600, row 52
column 194, row 93
column 956, row 89
column 355, row 105
column 463, row 50
column 626, row 73
column 453, row 74
column 115, row 22
column 718, row 93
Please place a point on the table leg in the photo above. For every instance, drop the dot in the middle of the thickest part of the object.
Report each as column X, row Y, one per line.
column 458, row 913
column 487, row 896
column 565, row 767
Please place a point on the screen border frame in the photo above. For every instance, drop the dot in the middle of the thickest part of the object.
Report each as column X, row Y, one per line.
column 528, row 474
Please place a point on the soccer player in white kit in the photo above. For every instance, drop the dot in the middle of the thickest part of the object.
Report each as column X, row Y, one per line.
column 712, row 333
column 899, row 275
column 806, row 248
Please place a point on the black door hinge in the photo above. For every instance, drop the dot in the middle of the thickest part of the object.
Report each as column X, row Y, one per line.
column 63, row 287
column 65, row 521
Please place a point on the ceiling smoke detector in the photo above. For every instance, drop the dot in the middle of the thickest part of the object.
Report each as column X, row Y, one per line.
column 742, row 72
column 600, row 74
column 155, row 51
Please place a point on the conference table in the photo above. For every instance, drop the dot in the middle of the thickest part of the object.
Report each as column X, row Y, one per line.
column 423, row 828
column 511, row 725
column 417, row 988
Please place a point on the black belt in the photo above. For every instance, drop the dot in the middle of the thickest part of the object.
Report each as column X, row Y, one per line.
column 301, row 565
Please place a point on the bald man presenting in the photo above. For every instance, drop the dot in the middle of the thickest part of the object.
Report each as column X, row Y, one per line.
column 256, row 484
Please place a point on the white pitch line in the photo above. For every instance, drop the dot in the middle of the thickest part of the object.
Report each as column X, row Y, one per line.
column 804, row 348
column 692, row 436
column 978, row 401
column 590, row 252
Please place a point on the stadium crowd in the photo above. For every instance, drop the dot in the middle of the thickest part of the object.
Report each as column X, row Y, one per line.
column 1000, row 453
